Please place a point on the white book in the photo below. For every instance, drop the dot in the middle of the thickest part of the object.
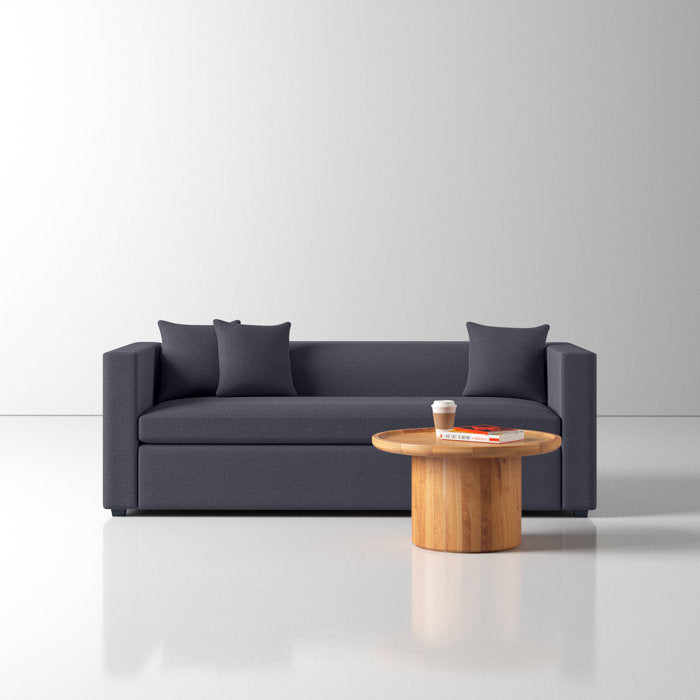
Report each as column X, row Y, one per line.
column 482, row 433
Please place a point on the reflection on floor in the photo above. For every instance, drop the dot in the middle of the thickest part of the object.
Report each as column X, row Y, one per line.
column 253, row 596
column 231, row 605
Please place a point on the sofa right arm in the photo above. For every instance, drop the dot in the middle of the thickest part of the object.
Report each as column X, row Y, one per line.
column 129, row 383
column 571, row 393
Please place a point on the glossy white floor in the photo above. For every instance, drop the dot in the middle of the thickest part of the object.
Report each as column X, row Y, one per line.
column 250, row 606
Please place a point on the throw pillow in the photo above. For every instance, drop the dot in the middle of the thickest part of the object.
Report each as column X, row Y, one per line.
column 507, row 362
column 254, row 360
column 189, row 364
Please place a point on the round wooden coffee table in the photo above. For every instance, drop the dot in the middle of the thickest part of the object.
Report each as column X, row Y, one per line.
column 465, row 496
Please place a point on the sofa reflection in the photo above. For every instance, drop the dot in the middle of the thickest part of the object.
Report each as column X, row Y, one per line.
column 192, row 590
column 231, row 592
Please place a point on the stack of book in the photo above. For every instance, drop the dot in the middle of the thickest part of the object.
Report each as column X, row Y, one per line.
column 482, row 433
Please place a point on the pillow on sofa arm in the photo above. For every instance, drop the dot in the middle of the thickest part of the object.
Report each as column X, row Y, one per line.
column 254, row 360
column 508, row 362
column 189, row 364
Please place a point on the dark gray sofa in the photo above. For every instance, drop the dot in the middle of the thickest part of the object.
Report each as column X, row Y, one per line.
column 313, row 451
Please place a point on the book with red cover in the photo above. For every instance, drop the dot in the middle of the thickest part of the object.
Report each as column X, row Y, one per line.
column 482, row 433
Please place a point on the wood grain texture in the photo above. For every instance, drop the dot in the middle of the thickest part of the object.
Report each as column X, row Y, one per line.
column 465, row 496
column 423, row 442
column 466, row 504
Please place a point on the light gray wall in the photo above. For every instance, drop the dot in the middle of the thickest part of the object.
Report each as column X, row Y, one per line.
column 365, row 169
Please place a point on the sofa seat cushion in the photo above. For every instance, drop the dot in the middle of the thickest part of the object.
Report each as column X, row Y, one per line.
column 321, row 419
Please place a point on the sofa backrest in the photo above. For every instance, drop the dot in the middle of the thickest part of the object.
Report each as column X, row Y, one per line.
column 370, row 368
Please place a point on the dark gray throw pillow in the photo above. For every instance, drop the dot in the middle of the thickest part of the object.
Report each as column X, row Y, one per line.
column 254, row 360
column 507, row 362
column 189, row 364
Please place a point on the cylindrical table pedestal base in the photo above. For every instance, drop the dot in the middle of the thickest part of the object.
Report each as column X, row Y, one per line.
column 466, row 504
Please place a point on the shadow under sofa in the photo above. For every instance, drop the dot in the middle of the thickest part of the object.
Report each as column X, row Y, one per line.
column 313, row 451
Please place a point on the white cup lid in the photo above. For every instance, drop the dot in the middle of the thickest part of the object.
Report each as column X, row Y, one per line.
column 444, row 406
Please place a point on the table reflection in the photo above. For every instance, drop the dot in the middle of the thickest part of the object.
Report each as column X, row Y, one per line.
column 499, row 611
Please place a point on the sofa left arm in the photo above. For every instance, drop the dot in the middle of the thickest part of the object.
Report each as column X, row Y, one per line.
column 129, row 377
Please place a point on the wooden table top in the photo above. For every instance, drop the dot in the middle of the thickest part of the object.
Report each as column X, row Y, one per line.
column 422, row 442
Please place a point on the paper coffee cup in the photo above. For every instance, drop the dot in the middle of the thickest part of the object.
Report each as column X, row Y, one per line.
column 444, row 414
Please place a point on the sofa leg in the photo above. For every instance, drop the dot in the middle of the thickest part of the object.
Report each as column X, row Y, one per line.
column 580, row 513
column 118, row 511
